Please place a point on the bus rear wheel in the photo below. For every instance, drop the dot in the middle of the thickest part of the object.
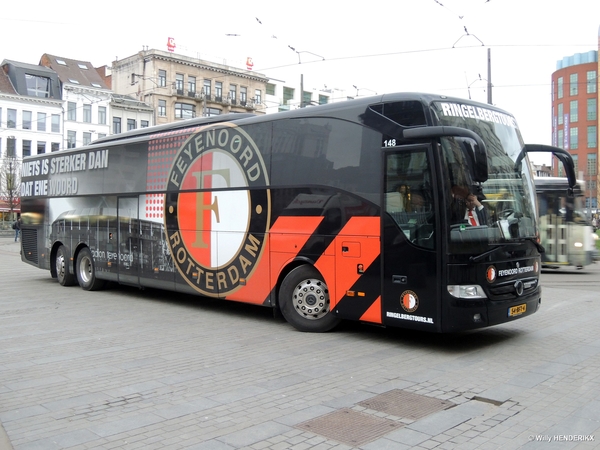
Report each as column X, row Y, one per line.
column 64, row 276
column 304, row 301
column 86, row 271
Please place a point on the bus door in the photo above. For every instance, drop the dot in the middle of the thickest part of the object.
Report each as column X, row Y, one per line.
column 411, row 240
column 129, row 240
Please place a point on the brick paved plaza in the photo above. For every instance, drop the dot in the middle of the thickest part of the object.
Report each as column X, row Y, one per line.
column 130, row 369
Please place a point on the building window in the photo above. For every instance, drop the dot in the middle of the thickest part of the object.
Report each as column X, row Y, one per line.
column 131, row 124
column 71, row 139
column 162, row 108
column 41, row 147
column 144, row 124
column 184, row 111
column 102, row 115
column 116, row 125
column 592, row 109
column 27, row 120
column 11, row 145
column 243, row 96
column 218, row 91
column 574, row 116
column 573, row 84
column 71, row 111
column 560, row 113
column 323, row 99
column 592, row 136
column 191, row 86
column 11, row 118
column 179, row 83
column 573, row 134
column 306, row 98
column 561, row 142
column 87, row 113
column 288, row 94
column 26, row 148
column 162, row 78
column 55, row 123
column 575, row 163
column 232, row 93
column 210, row 112
column 37, row 86
column 257, row 97
column 87, row 138
column 41, row 121
column 560, row 87
column 591, row 164
column 54, row 146
column 207, row 88
column 591, row 82
column 270, row 89
column 101, row 135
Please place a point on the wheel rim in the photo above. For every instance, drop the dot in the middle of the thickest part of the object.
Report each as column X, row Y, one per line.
column 85, row 269
column 61, row 266
column 311, row 299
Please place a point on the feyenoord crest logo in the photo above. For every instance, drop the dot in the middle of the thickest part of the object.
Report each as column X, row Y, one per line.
column 409, row 301
column 215, row 221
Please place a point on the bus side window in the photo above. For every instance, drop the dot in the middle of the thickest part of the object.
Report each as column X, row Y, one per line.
column 408, row 198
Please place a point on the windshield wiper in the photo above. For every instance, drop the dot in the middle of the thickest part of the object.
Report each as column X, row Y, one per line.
column 474, row 259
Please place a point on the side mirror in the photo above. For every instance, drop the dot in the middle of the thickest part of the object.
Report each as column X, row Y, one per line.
column 563, row 156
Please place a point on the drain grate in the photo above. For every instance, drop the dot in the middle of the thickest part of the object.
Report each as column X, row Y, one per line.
column 350, row 427
column 406, row 404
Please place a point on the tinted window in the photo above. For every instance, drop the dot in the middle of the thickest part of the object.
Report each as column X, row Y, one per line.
column 325, row 151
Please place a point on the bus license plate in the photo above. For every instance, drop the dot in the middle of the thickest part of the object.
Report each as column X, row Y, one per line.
column 517, row 310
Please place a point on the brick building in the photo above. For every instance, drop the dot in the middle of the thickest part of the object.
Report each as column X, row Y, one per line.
column 575, row 117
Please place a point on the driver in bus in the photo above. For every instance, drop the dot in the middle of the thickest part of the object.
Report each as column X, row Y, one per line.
column 466, row 207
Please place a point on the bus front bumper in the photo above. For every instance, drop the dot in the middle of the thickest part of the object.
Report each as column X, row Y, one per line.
column 480, row 313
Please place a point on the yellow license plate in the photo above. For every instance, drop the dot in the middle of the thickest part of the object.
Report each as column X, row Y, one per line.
column 517, row 310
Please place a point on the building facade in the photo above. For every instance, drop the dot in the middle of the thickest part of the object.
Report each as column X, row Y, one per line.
column 575, row 118
column 180, row 87
column 30, row 124
column 85, row 98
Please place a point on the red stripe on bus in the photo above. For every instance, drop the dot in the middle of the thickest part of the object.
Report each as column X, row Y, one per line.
column 356, row 246
column 285, row 239
column 373, row 314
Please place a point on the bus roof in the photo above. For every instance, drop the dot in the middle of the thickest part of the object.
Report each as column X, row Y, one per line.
column 352, row 109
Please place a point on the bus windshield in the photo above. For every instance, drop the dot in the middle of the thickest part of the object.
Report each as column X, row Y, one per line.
column 502, row 208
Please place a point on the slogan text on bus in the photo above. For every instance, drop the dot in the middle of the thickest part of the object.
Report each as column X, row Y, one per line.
column 59, row 165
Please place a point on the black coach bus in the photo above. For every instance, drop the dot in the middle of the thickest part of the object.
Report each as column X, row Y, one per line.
column 406, row 210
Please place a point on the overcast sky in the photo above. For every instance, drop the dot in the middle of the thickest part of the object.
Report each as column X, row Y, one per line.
column 435, row 46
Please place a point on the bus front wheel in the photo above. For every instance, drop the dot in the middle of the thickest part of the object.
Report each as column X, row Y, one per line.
column 86, row 271
column 304, row 301
column 64, row 276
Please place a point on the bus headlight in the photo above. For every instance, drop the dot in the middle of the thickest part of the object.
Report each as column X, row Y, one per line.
column 466, row 291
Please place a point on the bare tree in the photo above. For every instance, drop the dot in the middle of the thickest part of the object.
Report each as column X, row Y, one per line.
column 10, row 182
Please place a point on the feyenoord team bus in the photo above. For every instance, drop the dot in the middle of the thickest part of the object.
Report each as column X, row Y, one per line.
column 353, row 210
column 565, row 231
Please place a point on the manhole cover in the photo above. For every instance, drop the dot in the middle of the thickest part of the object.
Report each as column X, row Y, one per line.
column 350, row 427
column 404, row 404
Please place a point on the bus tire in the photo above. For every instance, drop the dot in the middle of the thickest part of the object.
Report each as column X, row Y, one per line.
column 64, row 276
column 86, row 271
column 304, row 301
